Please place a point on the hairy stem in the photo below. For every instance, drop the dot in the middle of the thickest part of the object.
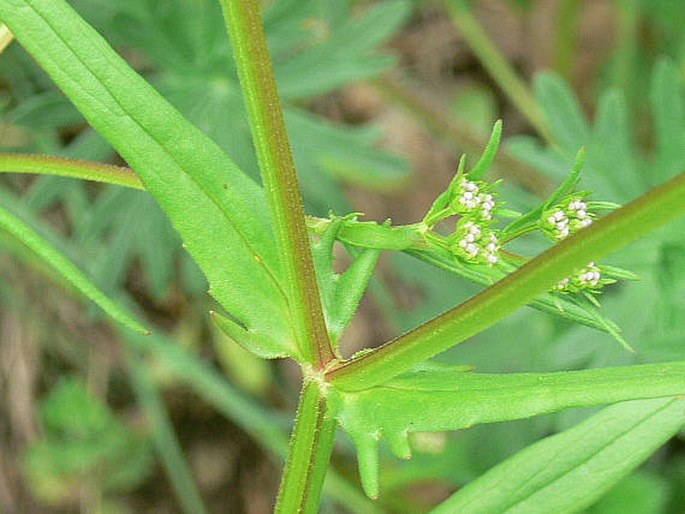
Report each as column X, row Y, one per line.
column 650, row 211
column 311, row 445
column 74, row 168
column 278, row 173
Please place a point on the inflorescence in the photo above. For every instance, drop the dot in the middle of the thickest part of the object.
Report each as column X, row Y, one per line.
column 563, row 220
column 474, row 204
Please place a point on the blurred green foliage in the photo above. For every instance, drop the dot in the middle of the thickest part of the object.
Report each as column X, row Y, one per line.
column 84, row 446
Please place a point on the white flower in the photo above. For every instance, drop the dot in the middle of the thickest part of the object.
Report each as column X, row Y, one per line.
column 476, row 243
column 472, row 199
column 588, row 278
column 566, row 218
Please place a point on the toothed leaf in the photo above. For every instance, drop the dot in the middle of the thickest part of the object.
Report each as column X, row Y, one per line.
column 433, row 399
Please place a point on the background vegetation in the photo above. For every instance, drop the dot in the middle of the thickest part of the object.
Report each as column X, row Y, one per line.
column 380, row 97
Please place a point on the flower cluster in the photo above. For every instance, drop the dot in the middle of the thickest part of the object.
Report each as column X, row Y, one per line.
column 473, row 205
column 588, row 278
column 476, row 243
column 566, row 218
column 472, row 198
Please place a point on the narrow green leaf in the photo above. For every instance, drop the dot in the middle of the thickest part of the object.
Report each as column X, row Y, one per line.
column 489, row 153
column 568, row 472
column 571, row 181
column 60, row 166
column 349, row 289
column 34, row 242
column 569, row 184
column 632, row 221
column 444, row 198
column 341, row 293
column 442, row 398
column 220, row 213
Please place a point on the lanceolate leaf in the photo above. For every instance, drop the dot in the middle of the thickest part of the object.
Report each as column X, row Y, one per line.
column 443, row 398
column 568, row 472
column 21, row 231
column 341, row 292
column 219, row 212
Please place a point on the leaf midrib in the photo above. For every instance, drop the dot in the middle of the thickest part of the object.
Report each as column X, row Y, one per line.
column 258, row 257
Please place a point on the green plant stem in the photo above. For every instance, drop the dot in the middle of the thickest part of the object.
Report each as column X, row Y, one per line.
column 311, row 445
column 650, row 211
column 566, row 19
column 74, row 168
column 459, row 136
column 279, row 176
column 498, row 67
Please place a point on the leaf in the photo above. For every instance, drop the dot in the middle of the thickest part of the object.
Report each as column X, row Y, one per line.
column 344, row 54
column 443, row 398
column 219, row 212
column 568, row 185
column 564, row 117
column 345, row 152
column 569, row 471
column 253, row 341
column 612, row 156
column 643, row 492
column 668, row 107
column 83, row 440
column 341, row 292
column 489, row 153
column 54, row 259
